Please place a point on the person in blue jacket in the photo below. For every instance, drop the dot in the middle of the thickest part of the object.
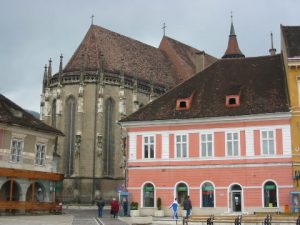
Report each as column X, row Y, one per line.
column 174, row 207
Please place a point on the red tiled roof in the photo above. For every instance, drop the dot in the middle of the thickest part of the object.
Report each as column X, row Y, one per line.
column 259, row 82
column 183, row 57
column 134, row 58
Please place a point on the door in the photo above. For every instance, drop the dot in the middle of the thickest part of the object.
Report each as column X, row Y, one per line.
column 236, row 201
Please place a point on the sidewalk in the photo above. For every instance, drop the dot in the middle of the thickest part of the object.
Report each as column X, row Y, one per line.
column 64, row 219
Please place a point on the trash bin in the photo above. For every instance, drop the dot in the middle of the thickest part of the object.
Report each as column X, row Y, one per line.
column 286, row 209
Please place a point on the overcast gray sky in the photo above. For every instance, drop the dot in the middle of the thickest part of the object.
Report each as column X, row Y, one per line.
column 32, row 31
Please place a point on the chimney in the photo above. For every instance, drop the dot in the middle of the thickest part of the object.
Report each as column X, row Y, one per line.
column 200, row 59
column 272, row 50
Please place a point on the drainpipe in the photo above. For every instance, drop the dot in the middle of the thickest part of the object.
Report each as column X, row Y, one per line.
column 95, row 136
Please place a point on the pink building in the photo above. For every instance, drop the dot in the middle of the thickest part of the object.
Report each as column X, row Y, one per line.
column 221, row 137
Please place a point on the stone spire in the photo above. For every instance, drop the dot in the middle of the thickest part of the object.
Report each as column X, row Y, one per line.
column 60, row 68
column 233, row 50
column 272, row 50
column 45, row 78
column 49, row 72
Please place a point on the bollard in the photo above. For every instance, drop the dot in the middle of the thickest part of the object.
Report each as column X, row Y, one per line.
column 210, row 220
column 268, row 220
column 298, row 221
column 238, row 220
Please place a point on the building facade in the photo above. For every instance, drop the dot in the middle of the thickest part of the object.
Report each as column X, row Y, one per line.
column 222, row 137
column 108, row 77
column 28, row 159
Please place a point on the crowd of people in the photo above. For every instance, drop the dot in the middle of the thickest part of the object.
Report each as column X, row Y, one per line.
column 115, row 207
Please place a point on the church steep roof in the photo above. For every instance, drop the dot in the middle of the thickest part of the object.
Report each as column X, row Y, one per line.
column 291, row 37
column 13, row 115
column 183, row 57
column 259, row 83
column 121, row 53
column 233, row 50
column 134, row 58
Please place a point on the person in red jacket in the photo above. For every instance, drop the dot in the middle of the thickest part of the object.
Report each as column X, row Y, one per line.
column 114, row 210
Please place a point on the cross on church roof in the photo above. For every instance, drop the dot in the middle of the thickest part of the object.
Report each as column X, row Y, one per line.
column 92, row 17
column 164, row 28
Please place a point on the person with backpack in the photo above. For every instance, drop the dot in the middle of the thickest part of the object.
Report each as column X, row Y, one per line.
column 187, row 205
column 100, row 205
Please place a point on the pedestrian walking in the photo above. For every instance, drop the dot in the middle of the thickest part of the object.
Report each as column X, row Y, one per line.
column 174, row 207
column 187, row 205
column 125, row 206
column 100, row 205
column 114, row 210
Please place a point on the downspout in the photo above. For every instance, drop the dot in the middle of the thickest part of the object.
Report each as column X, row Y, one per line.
column 95, row 136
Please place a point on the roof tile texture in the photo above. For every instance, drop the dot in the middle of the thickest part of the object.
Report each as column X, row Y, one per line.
column 291, row 36
column 259, row 81
column 134, row 58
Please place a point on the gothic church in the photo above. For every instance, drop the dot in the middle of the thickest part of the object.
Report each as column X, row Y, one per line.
column 108, row 77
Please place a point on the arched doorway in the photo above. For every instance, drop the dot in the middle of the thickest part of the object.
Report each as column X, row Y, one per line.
column 235, row 198
column 39, row 192
column 181, row 192
column 5, row 191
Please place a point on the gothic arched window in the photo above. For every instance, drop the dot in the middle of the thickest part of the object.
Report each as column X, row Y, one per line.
column 109, row 144
column 70, row 134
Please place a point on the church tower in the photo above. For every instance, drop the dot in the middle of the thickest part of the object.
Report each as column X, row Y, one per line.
column 233, row 50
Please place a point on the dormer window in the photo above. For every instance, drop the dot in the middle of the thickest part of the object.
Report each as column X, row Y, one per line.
column 232, row 100
column 184, row 103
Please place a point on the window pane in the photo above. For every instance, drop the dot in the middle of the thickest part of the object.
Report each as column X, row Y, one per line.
column 209, row 137
column 184, row 151
column 203, row 137
column 183, row 138
column 272, row 148
column 146, row 151
column 229, row 136
column 178, row 138
column 151, row 151
column 236, row 148
column 229, row 148
column 264, row 134
column 209, row 147
column 235, row 136
column 178, row 150
column 203, row 149
column 271, row 134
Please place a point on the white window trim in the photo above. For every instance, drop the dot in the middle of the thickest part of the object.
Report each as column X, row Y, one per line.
column 229, row 200
column 261, row 142
column 262, row 194
column 239, row 143
column 45, row 155
column 200, row 144
column 20, row 139
column 154, row 146
column 187, row 145
column 142, row 195
column 212, row 183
